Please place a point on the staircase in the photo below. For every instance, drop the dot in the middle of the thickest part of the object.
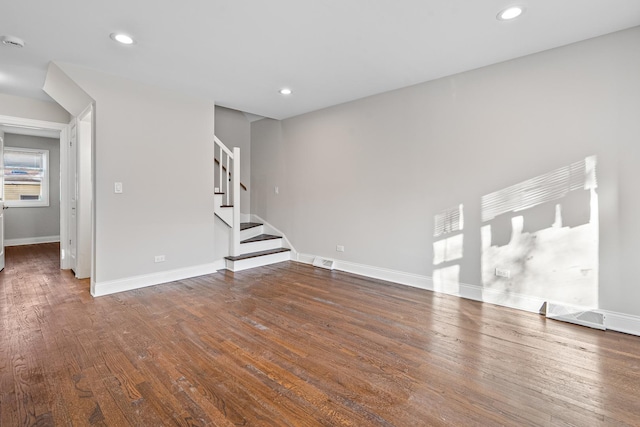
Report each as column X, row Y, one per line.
column 257, row 248
column 249, row 246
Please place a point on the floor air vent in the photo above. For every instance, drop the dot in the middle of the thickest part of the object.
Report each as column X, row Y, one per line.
column 323, row 263
column 575, row 315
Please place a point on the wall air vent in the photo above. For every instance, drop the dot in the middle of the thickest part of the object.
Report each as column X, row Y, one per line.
column 323, row 263
column 579, row 316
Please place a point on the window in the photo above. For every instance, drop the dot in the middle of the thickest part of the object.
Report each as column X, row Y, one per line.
column 26, row 177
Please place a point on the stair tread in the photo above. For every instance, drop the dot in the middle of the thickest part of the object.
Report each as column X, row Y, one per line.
column 261, row 238
column 247, row 225
column 256, row 254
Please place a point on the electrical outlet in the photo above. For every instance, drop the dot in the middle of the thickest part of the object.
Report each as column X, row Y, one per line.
column 159, row 258
column 117, row 187
column 340, row 248
column 500, row 272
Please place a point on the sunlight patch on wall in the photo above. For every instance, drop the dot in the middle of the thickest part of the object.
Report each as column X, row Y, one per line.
column 542, row 236
column 545, row 188
column 448, row 250
column 449, row 221
column 447, row 280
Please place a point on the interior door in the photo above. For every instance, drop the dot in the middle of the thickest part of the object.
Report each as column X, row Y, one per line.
column 1, row 200
column 73, row 198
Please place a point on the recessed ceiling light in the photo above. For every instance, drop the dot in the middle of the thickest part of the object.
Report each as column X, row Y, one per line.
column 285, row 91
column 12, row 41
column 510, row 13
column 122, row 38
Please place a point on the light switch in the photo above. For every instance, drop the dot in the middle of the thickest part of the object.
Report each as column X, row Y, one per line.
column 117, row 187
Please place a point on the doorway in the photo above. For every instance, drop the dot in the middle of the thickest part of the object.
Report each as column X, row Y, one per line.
column 83, row 181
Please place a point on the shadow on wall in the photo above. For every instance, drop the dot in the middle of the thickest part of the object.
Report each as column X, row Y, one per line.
column 448, row 250
column 540, row 238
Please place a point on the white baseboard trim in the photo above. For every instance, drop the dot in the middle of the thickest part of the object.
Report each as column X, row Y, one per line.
column 512, row 300
column 219, row 264
column 304, row 258
column 136, row 282
column 31, row 240
column 472, row 292
column 409, row 279
column 618, row 322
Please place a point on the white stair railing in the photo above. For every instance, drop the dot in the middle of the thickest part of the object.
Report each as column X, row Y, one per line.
column 227, row 181
column 224, row 158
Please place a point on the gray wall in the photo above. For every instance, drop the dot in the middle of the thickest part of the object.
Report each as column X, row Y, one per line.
column 159, row 145
column 372, row 174
column 234, row 130
column 26, row 108
column 25, row 223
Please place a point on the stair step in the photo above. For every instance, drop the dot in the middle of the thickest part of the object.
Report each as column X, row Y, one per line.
column 247, row 225
column 257, row 254
column 261, row 238
column 258, row 242
column 249, row 230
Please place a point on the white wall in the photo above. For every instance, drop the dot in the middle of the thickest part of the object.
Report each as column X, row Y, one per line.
column 372, row 174
column 35, row 223
column 160, row 146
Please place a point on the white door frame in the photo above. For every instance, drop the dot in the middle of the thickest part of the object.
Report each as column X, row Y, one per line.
column 2, row 196
column 86, row 189
column 64, row 175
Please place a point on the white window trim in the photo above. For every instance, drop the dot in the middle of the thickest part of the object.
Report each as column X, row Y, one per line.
column 45, row 181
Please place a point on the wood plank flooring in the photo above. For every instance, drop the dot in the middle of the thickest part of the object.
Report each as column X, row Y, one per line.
column 293, row 345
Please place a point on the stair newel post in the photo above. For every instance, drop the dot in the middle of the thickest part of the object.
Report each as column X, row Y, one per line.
column 228, row 179
column 235, row 181
column 220, row 188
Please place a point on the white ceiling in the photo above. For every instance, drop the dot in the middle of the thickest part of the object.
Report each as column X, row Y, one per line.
column 239, row 53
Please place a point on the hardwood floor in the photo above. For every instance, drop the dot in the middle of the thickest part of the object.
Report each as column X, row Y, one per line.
column 293, row 345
